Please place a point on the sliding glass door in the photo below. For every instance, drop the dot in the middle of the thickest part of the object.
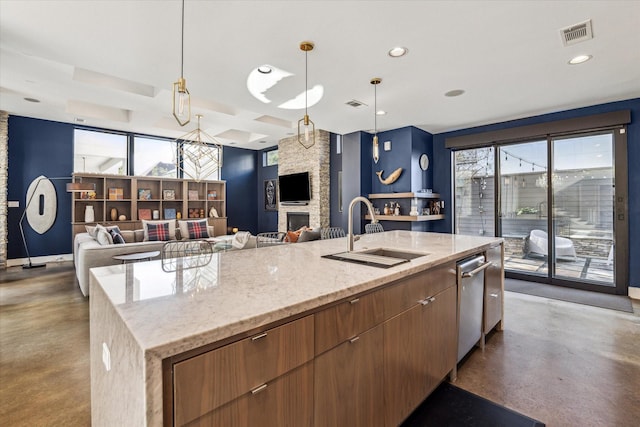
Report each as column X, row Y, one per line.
column 524, row 207
column 582, row 216
column 554, row 206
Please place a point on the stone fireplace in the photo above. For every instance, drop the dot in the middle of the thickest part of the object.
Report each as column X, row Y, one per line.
column 294, row 158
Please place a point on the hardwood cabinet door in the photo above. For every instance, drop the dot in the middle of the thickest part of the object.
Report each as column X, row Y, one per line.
column 419, row 351
column 286, row 401
column 493, row 289
column 349, row 318
column 207, row 381
column 348, row 387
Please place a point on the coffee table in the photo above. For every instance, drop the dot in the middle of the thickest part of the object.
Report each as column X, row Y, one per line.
column 138, row 256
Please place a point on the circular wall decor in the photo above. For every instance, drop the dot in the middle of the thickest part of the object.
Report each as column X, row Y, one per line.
column 424, row 161
column 41, row 217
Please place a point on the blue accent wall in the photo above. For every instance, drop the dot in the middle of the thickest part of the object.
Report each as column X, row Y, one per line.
column 239, row 169
column 39, row 147
column 442, row 167
column 267, row 220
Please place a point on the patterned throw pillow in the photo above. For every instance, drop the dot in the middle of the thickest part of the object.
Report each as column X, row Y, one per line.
column 116, row 236
column 198, row 229
column 158, row 232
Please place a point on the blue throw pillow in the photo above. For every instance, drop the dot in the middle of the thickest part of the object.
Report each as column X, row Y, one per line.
column 116, row 236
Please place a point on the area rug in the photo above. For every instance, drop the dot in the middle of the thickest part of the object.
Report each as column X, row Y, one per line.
column 451, row 406
column 596, row 299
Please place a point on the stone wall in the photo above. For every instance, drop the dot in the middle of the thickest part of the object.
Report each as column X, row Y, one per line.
column 294, row 158
column 4, row 173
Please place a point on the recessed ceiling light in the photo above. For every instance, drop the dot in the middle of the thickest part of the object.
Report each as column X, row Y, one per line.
column 397, row 52
column 79, row 120
column 232, row 143
column 262, row 142
column 31, row 99
column 580, row 59
column 381, row 112
column 264, row 69
column 455, row 92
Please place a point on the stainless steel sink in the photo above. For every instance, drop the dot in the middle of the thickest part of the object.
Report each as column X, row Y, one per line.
column 378, row 257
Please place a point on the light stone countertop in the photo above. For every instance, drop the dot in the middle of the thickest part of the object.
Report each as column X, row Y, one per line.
column 169, row 313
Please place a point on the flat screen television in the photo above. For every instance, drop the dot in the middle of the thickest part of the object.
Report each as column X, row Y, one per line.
column 294, row 188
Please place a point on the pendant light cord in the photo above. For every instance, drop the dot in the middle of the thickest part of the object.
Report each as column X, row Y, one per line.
column 375, row 109
column 182, row 45
column 306, row 81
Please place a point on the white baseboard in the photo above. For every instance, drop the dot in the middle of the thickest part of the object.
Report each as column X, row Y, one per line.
column 634, row 293
column 40, row 260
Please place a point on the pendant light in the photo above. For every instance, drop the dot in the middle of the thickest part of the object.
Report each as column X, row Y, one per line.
column 200, row 154
column 306, row 128
column 181, row 95
column 376, row 150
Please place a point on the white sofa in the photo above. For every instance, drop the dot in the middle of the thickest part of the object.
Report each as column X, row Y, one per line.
column 89, row 252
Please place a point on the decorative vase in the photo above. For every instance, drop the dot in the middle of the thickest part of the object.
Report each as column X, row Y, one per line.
column 156, row 214
column 89, row 215
column 114, row 214
column 179, row 215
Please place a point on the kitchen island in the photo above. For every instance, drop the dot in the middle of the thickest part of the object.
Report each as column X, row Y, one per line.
column 278, row 325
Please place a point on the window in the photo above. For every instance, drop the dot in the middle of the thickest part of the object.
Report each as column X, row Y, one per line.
column 154, row 157
column 99, row 152
column 270, row 158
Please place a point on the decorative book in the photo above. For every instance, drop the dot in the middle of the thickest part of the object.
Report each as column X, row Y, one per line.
column 116, row 193
column 193, row 194
column 169, row 213
column 144, row 194
column 144, row 213
column 169, row 194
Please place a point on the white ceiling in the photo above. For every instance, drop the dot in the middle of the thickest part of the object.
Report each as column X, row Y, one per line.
column 507, row 55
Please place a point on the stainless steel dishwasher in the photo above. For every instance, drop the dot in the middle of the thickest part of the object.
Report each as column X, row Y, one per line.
column 470, row 301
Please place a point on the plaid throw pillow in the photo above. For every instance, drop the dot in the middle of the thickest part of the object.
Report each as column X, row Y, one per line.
column 158, row 232
column 197, row 229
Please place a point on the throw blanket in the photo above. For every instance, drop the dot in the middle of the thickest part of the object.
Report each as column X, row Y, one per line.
column 240, row 239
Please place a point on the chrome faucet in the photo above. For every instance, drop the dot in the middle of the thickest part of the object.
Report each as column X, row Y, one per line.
column 350, row 236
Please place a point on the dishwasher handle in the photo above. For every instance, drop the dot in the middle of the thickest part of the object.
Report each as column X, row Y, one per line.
column 476, row 270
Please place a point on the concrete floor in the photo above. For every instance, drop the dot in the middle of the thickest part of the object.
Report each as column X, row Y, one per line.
column 562, row 363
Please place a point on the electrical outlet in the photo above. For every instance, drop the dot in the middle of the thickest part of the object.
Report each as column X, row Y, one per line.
column 13, row 204
column 106, row 357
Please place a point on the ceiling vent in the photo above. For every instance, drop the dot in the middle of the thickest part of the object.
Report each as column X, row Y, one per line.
column 576, row 33
column 355, row 104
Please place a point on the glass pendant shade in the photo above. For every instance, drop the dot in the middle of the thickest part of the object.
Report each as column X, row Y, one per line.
column 181, row 102
column 306, row 132
column 376, row 150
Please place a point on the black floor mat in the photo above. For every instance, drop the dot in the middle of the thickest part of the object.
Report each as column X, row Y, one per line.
column 450, row 406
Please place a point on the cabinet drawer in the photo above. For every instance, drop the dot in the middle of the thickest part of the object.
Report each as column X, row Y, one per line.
column 347, row 319
column 410, row 291
column 212, row 379
column 286, row 401
column 493, row 289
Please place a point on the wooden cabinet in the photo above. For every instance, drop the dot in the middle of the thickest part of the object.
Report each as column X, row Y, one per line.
column 493, row 312
column 245, row 368
column 420, row 343
column 369, row 360
column 347, row 319
column 348, row 385
column 133, row 196
column 287, row 401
